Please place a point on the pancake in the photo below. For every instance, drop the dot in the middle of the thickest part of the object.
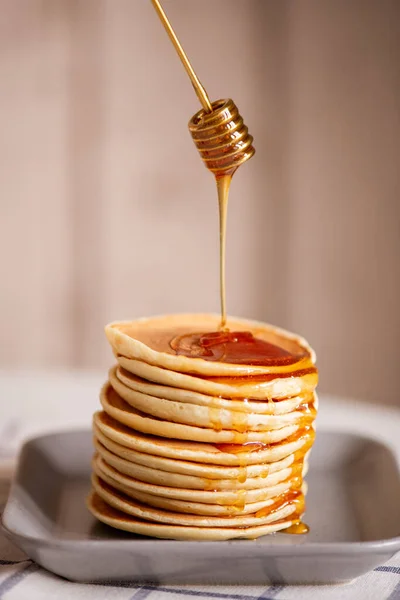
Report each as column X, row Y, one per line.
column 188, row 450
column 190, row 468
column 178, row 480
column 226, row 497
column 189, row 397
column 117, row 408
column 119, row 520
column 202, row 416
column 191, row 507
column 204, row 433
column 148, row 340
column 258, row 387
column 187, row 506
column 280, row 510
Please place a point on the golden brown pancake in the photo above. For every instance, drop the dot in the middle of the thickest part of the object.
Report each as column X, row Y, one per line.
column 179, row 480
column 224, row 497
column 115, row 518
column 148, row 340
column 203, row 416
column 132, row 507
column 203, row 434
column 117, row 408
column 188, row 450
column 260, row 388
column 189, row 397
column 186, row 467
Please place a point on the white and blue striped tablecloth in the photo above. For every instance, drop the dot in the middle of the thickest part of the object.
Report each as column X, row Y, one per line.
column 30, row 408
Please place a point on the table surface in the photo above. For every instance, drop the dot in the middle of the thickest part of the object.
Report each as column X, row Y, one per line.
column 32, row 403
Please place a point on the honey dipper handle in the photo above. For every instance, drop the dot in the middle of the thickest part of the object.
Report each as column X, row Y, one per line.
column 198, row 88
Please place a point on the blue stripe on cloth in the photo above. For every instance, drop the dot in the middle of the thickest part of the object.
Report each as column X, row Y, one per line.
column 117, row 583
column 141, row 593
column 14, row 562
column 271, row 592
column 389, row 569
column 195, row 593
column 16, row 578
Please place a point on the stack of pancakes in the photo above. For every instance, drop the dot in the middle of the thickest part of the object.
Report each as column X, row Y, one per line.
column 188, row 448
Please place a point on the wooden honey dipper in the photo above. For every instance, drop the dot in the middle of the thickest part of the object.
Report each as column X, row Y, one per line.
column 222, row 139
column 218, row 131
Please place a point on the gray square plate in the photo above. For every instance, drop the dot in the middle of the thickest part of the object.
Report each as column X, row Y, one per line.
column 353, row 509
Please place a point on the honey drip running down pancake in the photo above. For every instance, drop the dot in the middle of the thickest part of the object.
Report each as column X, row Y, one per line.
column 204, row 434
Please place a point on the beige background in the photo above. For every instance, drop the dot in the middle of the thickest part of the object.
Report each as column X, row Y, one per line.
column 107, row 212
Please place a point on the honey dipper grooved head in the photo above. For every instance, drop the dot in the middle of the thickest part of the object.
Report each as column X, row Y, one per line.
column 221, row 137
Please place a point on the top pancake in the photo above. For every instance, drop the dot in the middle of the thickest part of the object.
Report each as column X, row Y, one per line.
column 148, row 340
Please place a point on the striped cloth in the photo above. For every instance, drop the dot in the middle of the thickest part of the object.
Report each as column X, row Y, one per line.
column 22, row 579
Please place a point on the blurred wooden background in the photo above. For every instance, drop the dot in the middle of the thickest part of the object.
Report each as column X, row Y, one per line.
column 107, row 212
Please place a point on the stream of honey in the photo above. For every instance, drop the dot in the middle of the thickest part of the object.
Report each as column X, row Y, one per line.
column 223, row 185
